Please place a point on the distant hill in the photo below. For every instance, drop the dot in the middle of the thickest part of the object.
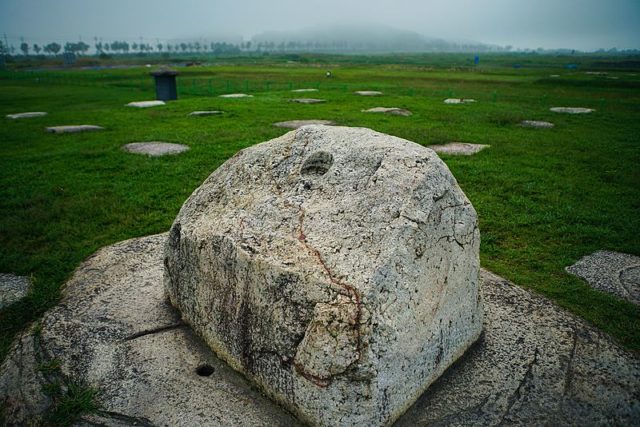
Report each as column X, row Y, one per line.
column 360, row 38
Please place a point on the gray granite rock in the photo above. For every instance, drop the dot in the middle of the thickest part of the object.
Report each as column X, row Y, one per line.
column 572, row 110
column 13, row 288
column 302, row 260
column 74, row 128
column 368, row 92
column 145, row 104
column 458, row 148
column 155, row 148
column 612, row 272
column 534, row 364
column 304, row 90
column 394, row 111
column 308, row 101
column 28, row 115
column 295, row 124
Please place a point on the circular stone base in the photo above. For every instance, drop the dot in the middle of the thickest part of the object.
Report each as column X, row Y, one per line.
column 73, row 128
column 536, row 124
column 145, row 104
column 308, row 101
column 391, row 110
column 205, row 113
column 28, row 115
column 572, row 110
column 13, row 288
column 458, row 148
column 155, row 148
column 459, row 101
column 115, row 332
column 368, row 93
column 304, row 90
column 612, row 272
column 295, row 124
column 235, row 95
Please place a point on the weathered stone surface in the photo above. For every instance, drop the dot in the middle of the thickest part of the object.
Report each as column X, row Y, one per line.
column 145, row 104
column 534, row 364
column 335, row 267
column 368, row 92
column 73, row 128
column 236, row 95
column 304, row 90
column 459, row 101
column 115, row 331
column 572, row 110
column 612, row 272
column 13, row 288
column 155, row 148
column 536, row 124
column 28, row 115
column 205, row 113
column 459, row 148
column 308, row 101
column 295, row 124
column 394, row 111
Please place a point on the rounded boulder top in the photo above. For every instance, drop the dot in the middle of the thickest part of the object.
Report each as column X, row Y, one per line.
column 301, row 261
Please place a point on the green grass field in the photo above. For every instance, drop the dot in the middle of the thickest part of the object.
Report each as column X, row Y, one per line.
column 545, row 197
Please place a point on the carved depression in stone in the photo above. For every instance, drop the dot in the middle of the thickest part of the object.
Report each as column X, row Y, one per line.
column 337, row 268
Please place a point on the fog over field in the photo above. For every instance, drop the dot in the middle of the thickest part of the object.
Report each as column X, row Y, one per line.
column 577, row 24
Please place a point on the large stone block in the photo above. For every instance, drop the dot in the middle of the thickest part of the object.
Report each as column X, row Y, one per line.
column 335, row 267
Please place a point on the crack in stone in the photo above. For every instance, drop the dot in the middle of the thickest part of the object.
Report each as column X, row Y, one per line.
column 351, row 292
column 568, row 379
column 154, row 331
column 517, row 394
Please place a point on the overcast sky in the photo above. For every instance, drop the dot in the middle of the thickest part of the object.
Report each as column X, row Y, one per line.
column 580, row 24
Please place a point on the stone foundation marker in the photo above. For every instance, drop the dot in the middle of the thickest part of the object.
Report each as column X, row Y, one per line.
column 572, row 110
column 336, row 268
column 612, row 272
column 368, row 92
column 304, row 90
column 459, row 101
column 13, row 288
column 459, row 148
column 536, row 124
column 392, row 111
column 29, row 115
column 295, row 124
column 308, row 101
column 205, row 113
column 235, row 95
column 145, row 104
column 74, row 128
column 155, row 148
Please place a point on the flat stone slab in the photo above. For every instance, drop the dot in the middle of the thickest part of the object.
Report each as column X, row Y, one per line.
column 536, row 124
column 28, row 115
column 74, row 128
column 368, row 92
column 145, row 104
column 295, row 124
column 205, row 113
column 534, row 363
column 308, row 101
column 235, row 95
column 572, row 110
column 304, row 90
column 458, row 148
column 13, row 288
column 459, row 101
column 391, row 110
column 155, row 148
column 612, row 272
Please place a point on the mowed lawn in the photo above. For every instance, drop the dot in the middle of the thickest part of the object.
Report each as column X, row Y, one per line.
column 545, row 197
